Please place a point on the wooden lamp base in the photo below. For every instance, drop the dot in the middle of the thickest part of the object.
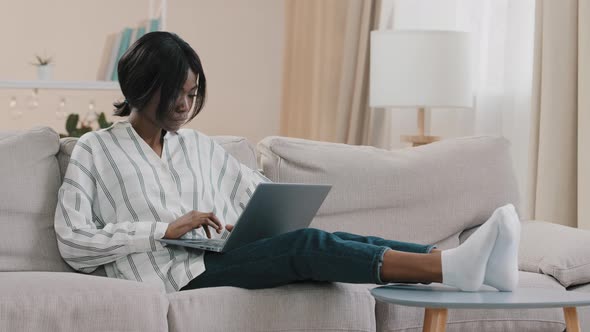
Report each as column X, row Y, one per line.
column 420, row 139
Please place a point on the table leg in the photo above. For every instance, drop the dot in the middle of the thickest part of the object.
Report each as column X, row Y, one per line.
column 428, row 321
column 435, row 320
column 572, row 323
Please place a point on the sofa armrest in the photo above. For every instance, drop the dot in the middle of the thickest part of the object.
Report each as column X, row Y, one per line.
column 559, row 251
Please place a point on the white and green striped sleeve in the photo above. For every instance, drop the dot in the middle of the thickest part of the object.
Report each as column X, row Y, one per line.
column 85, row 241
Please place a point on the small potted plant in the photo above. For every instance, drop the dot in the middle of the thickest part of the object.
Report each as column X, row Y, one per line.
column 44, row 67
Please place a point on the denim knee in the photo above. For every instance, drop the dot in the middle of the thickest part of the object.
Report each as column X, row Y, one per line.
column 309, row 233
column 308, row 238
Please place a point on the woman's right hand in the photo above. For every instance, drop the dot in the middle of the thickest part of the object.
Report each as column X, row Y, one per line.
column 188, row 222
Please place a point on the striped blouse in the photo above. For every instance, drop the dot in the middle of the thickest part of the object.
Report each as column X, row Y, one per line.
column 118, row 196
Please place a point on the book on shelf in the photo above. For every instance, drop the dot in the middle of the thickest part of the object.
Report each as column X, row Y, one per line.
column 154, row 24
column 120, row 42
column 112, row 56
column 123, row 46
column 139, row 32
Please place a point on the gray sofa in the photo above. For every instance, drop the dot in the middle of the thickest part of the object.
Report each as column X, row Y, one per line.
column 438, row 193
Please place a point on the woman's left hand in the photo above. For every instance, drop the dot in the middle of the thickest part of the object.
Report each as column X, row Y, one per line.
column 229, row 227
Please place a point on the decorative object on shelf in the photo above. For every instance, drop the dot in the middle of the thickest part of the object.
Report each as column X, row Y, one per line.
column 156, row 20
column 13, row 107
column 60, row 113
column 44, row 67
column 85, row 126
column 32, row 100
column 420, row 69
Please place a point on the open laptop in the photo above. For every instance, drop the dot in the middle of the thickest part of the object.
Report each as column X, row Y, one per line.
column 274, row 208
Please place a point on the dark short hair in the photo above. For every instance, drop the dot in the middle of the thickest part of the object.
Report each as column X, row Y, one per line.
column 158, row 60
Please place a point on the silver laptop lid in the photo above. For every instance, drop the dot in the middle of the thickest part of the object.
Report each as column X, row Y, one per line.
column 277, row 208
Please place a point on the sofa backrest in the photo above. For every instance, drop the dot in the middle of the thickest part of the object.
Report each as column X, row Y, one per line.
column 425, row 194
column 237, row 146
column 31, row 175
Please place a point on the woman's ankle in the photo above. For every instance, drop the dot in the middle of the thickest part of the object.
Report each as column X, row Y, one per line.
column 399, row 266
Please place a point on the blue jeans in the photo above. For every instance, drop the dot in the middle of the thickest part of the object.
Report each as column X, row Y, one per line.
column 302, row 255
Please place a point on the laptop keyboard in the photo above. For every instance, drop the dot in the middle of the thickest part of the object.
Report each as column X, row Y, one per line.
column 208, row 241
column 216, row 243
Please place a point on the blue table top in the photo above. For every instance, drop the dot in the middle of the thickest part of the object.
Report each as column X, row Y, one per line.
column 437, row 295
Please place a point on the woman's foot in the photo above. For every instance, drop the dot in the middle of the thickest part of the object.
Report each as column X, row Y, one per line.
column 502, row 267
column 464, row 267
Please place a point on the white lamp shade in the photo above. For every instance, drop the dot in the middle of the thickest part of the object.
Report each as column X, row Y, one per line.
column 420, row 68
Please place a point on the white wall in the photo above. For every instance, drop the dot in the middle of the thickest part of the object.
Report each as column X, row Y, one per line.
column 240, row 44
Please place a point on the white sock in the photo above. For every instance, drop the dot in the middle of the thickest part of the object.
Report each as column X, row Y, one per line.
column 464, row 267
column 502, row 267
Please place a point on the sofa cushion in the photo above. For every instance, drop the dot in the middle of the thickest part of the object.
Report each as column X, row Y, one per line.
column 448, row 243
column 240, row 148
column 294, row 307
column 66, row 145
column 393, row 317
column 567, row 258
column 422, row 194
column 30, row 180
column 58, row 301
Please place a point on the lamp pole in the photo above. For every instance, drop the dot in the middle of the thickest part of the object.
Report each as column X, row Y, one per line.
column 420, row 139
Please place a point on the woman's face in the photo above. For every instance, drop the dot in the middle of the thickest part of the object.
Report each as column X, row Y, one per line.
column 175, row 118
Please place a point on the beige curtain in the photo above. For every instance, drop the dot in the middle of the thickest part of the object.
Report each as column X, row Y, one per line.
column 326, row 68
column 559, row 175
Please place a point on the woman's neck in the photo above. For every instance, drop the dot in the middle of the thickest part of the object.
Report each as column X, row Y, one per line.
column 147, row 129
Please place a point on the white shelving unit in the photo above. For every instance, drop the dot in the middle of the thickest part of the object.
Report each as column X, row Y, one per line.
column 61, row 85
column 155, row 8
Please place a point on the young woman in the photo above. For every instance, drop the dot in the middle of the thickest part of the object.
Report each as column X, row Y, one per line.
column 145, row 178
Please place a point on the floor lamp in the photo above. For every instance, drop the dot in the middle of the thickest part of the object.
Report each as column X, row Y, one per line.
column 420, row 69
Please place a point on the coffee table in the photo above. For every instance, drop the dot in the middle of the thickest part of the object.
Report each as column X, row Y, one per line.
column 437, row 298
